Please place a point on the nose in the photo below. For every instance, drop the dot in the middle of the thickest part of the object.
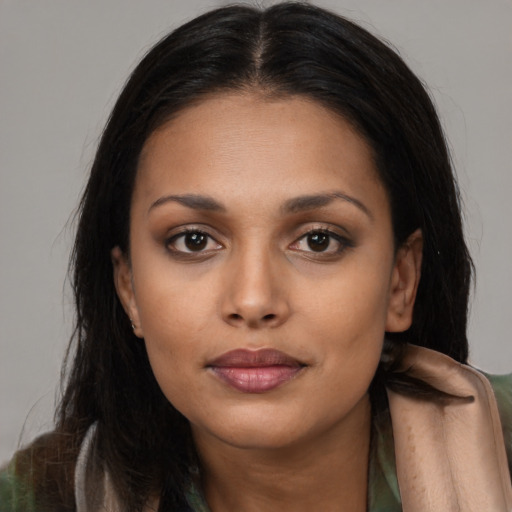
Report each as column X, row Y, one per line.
column 254, row 293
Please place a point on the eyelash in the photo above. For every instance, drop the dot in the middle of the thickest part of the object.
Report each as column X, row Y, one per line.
column 182, row 234
column 343, row 242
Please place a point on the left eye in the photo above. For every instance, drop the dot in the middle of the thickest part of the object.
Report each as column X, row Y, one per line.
column 320, row 242
column 192, row 241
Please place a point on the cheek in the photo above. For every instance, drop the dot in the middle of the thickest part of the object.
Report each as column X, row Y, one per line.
column 170, row 303
column 174, row 317
column 175, row 358
column 352, row 305
column 349, row 325
column 352, row 335
column 173, row 324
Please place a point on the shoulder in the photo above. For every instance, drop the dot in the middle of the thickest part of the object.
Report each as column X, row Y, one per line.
column 39, row 478
column 15, row 495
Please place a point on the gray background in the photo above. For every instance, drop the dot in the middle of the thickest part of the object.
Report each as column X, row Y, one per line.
column 62, row 64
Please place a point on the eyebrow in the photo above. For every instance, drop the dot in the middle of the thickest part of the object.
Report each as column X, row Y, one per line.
column 294, row 205
column 194, row 201
column 311, row 202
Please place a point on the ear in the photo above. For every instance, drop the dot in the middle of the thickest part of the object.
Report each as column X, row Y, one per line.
column 123, row 283
column 404, row 283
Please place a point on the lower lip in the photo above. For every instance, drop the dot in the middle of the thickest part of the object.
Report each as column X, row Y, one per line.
column 256, row 379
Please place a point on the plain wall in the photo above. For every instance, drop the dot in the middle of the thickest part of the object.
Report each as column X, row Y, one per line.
column 62, row 64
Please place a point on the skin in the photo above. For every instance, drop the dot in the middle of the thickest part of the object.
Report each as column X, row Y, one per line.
column 258, row 283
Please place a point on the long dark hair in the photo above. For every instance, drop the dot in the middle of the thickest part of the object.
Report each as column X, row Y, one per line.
column 287, row 49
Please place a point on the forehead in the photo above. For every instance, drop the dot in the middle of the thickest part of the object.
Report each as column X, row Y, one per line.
column 240, row 144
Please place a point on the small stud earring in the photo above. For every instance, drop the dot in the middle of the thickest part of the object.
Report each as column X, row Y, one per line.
column 133, row 325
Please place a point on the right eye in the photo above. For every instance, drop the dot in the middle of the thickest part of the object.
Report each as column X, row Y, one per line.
column 192, row 241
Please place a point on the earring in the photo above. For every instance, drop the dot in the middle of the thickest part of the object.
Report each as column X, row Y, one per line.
column 133, row 325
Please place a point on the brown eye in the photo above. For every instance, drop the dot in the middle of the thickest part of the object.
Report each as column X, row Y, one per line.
column 196, row 241
column 323, row 242
column 192, row 242
column 318, row 242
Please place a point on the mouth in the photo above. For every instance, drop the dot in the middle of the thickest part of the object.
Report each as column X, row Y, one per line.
column 255, row 371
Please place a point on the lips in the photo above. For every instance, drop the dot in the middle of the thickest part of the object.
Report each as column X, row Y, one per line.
column 255, row 371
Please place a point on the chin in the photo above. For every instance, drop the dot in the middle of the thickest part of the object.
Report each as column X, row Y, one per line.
column 252, row 438
column 252, row 430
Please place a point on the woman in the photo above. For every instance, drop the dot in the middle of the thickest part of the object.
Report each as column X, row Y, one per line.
column 271, row 285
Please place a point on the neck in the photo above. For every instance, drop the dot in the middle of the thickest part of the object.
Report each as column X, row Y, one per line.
column 320, row 473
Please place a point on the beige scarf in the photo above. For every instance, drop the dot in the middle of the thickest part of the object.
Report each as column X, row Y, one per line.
column 449, row 458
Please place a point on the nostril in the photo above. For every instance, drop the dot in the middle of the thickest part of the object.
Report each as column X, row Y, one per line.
column 238, row 319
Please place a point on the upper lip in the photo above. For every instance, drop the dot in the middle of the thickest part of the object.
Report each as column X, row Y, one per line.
column 244, row 358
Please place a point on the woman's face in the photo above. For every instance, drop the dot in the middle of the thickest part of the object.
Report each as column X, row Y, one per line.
column 262, row 273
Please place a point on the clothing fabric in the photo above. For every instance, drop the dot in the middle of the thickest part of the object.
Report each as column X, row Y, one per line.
column 410, row 487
